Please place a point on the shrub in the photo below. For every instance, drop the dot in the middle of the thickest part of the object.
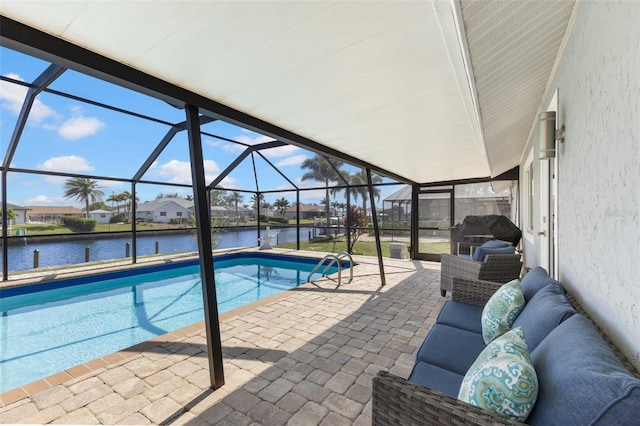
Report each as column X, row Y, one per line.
column 118, row 219
column 80, row 224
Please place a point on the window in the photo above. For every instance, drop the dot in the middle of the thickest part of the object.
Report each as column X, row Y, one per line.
column 163, row 213
column 179, row 214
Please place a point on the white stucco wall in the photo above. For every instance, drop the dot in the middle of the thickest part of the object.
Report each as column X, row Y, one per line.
column 598, row 79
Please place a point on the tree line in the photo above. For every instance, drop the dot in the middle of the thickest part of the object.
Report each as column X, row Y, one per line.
column 317, row 168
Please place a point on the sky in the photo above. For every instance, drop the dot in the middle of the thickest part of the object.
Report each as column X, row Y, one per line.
column 71, row 136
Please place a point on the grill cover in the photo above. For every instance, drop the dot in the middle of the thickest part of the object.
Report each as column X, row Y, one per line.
column 473, row 227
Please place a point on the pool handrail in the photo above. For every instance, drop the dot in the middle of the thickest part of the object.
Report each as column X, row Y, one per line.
column 334, row 259
column 347, row 254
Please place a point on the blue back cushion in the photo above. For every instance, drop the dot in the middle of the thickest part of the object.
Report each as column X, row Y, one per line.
column 495, row 244
column 581, row 380
column 451, row 348
column 544, row 312
column 480, row 253
column 461, row 315
column 535, row 280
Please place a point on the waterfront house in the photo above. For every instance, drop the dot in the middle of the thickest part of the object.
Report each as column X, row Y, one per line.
column 100, row 215
column 51, row 214
column 162, row 210
column 20, row 213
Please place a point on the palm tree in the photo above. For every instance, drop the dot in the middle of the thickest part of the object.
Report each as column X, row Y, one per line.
column 321, row 170
column 234, row 198
column 83, row 189
column 256, row 201
column 115, row 199
column 282, row 205
column 362, row 190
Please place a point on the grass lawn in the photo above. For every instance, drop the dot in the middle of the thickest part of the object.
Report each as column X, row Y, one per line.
column 364, row 248
column 48, row 229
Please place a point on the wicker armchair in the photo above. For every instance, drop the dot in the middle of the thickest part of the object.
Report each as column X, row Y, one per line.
column 499, row 268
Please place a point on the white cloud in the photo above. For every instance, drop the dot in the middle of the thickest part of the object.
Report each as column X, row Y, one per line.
column 112, row 184
column 295, row 160
column 312, row 196
column 69, row 163
column 12, row 96
column 253, row 138
column 281, row 151
column 180, row 171
column 175, row 171
column 80, row 126
column 42, row 200
column 225, row 146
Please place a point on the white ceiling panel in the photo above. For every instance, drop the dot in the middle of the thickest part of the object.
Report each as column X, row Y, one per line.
column 385, row 82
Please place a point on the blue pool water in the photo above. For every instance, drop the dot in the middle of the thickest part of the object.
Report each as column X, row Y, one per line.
column 77, row 320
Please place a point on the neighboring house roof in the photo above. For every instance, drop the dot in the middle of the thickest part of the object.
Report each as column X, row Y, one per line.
column 221, row 209
column 307, row 208
column 159, row 203
column 16, row 207
column 57, row 210
column 100, row 211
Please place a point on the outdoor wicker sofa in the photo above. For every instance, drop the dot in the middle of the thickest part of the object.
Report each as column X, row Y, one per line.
column 583, row 378
column 499, row 268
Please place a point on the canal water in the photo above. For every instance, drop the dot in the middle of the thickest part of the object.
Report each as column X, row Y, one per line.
column 71, row 252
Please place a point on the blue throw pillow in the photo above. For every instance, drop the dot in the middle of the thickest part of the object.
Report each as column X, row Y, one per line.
column 502, row 379
column 501, row 310
column 480, row 253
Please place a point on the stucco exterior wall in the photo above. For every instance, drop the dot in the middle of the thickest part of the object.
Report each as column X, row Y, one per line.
column 598, row 78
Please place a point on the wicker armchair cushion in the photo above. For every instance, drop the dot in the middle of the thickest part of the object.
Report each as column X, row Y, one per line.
column 544, row 312
column 461, row 315
column 433, row 377
column 581, row 380
column 451, row 348
column 480, row 253
column 535, row 280
column 501, row 310
column 495, row 244
column 502, row 380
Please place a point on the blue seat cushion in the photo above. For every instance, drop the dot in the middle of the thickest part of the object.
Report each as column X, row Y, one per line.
column 534, row 280
column 464, row 255
column 480, row 253
column 495, row 244
column 451, row 348
column 581, row 381
column 544, row 312
column 436, row 378
column 461, row 315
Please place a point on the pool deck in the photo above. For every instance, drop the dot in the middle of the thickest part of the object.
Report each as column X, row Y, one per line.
column 302, row 357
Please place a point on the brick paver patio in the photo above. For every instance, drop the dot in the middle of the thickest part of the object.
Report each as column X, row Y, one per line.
column 304, row 357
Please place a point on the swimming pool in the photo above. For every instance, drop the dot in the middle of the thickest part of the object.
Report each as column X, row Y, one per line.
column 47, row 328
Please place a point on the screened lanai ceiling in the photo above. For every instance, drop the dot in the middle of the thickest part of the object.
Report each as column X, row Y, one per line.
column 429, row 91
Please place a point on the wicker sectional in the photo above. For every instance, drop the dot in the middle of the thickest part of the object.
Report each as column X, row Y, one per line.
column 398, row 401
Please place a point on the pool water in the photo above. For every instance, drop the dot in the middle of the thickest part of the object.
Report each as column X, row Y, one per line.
column 44, row 332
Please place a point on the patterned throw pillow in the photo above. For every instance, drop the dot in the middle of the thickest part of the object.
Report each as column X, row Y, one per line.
column 502, row 379
column 501, row 310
